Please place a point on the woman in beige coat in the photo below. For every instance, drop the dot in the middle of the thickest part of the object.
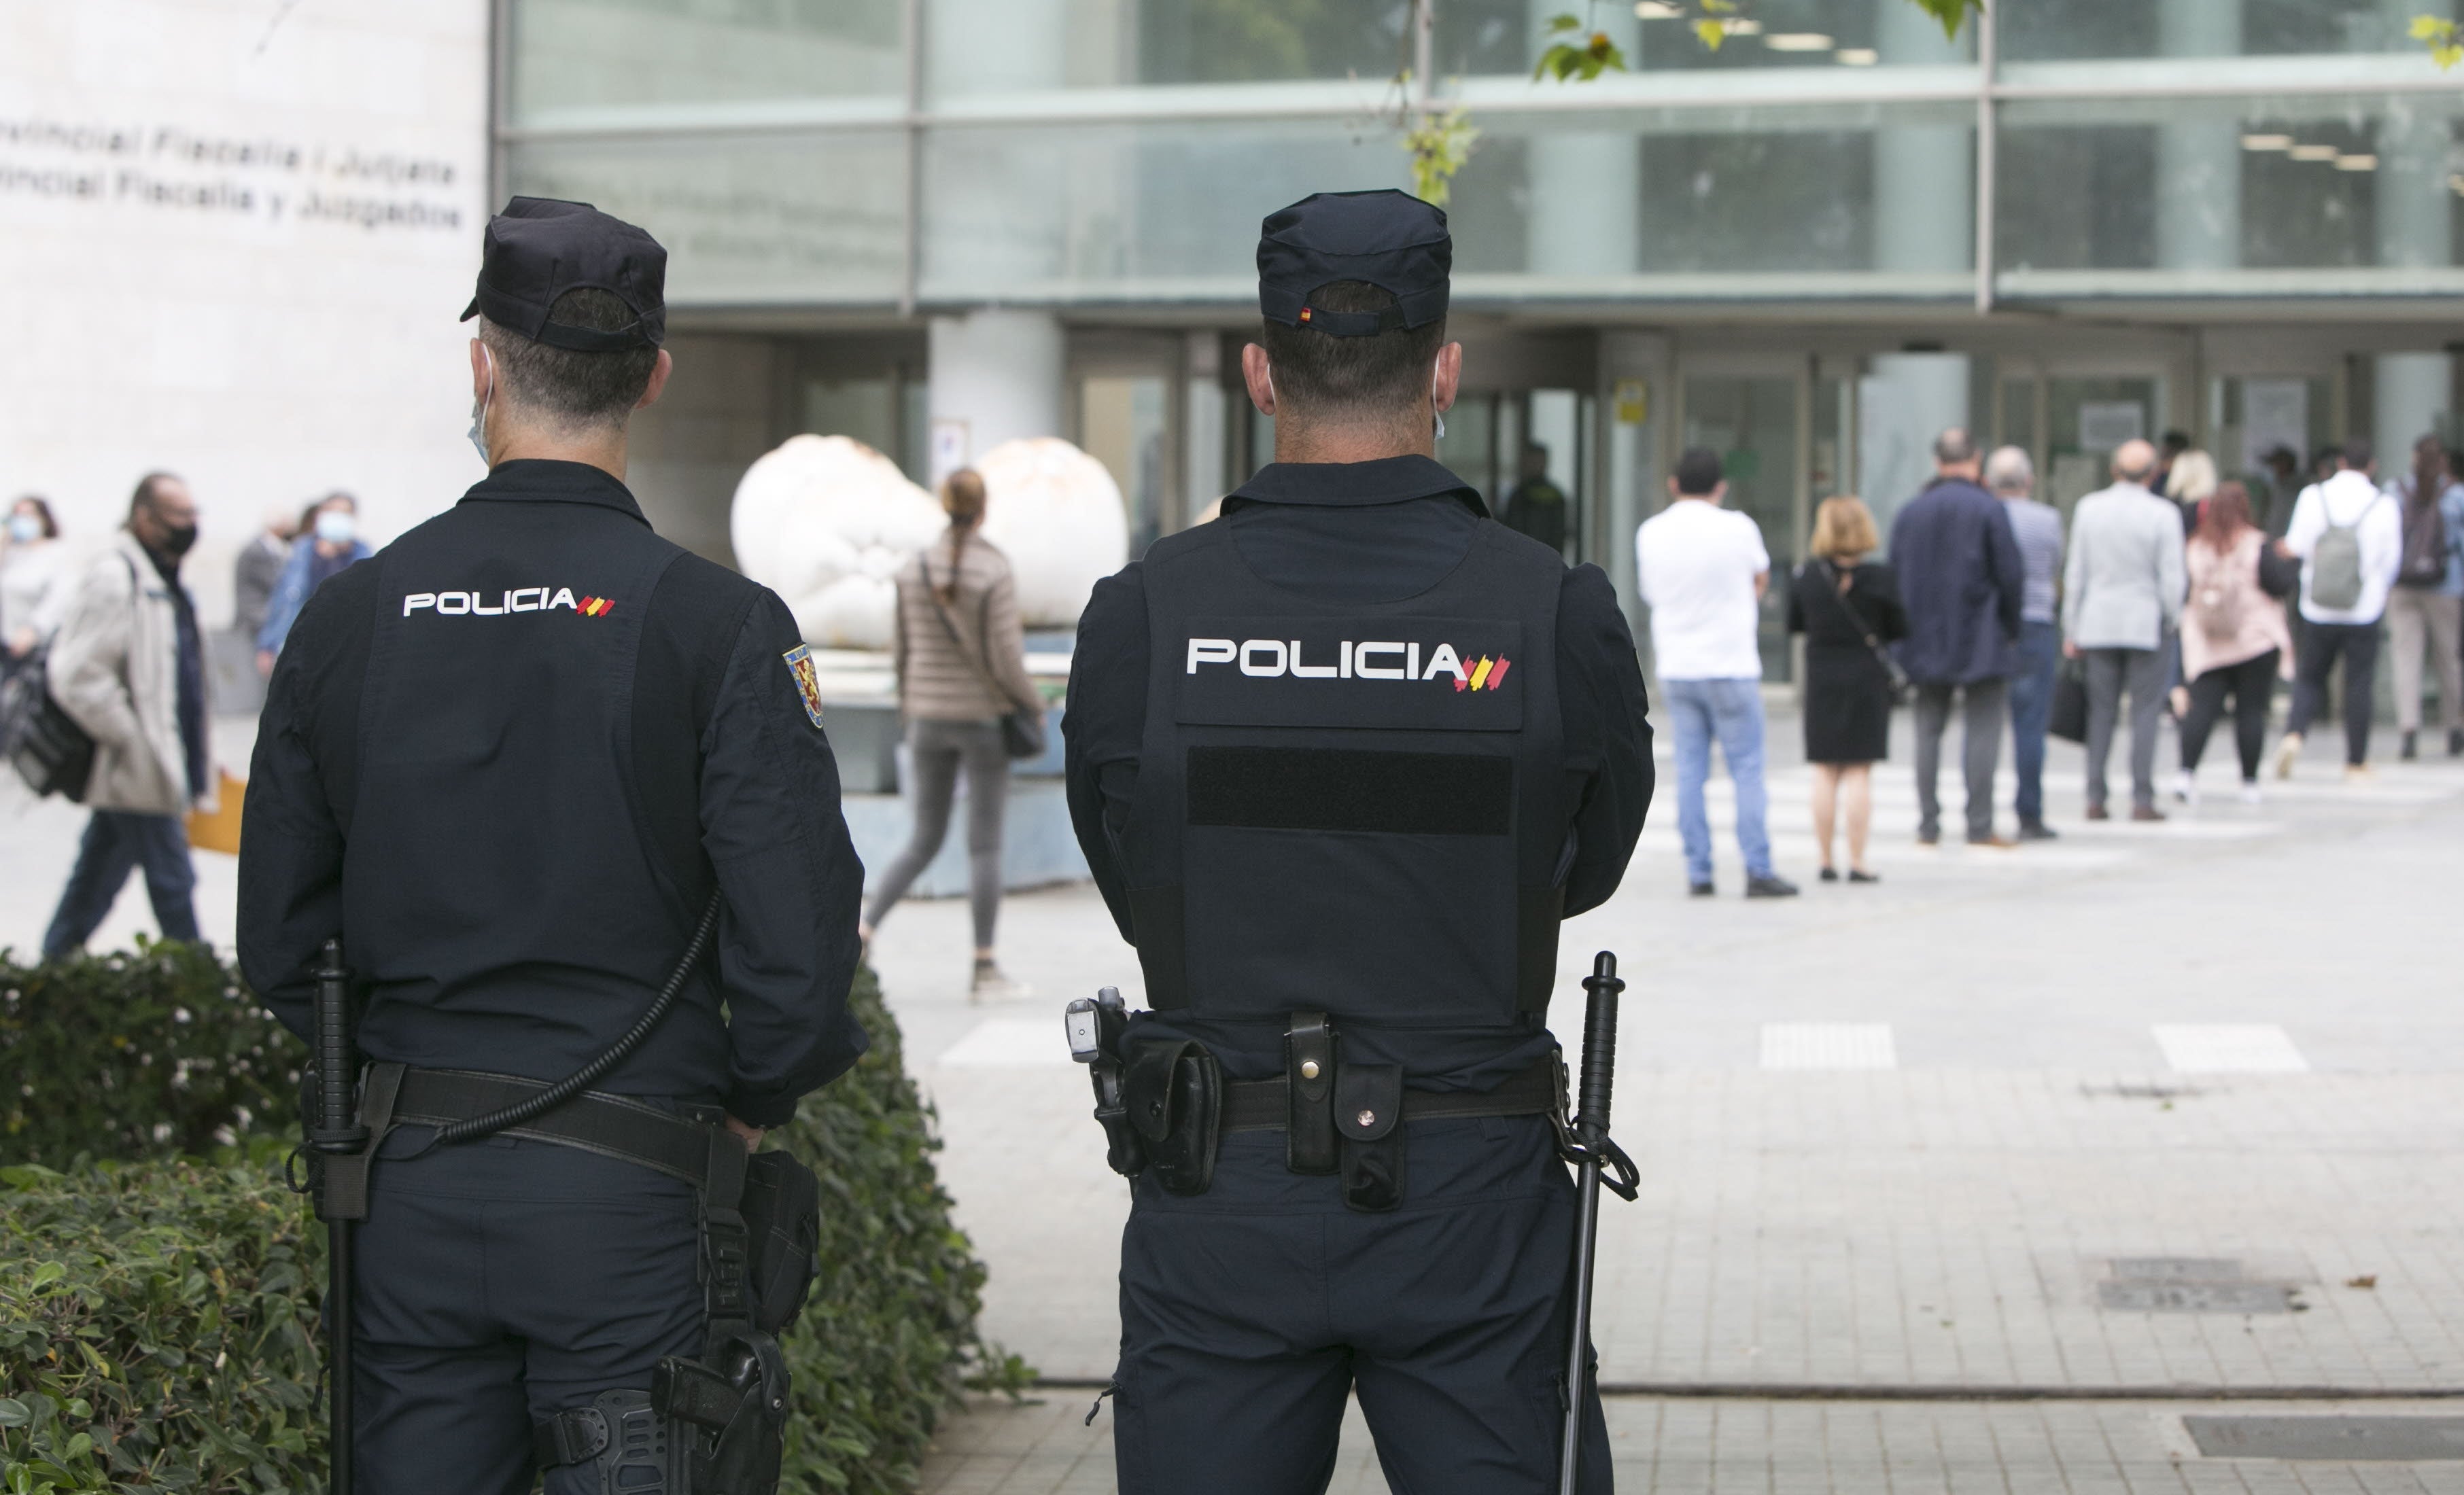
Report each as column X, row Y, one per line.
column 2235, row 640
column 962, row 657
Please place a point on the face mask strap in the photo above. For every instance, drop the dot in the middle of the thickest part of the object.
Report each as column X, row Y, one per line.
column 479, row 406
column 1433, row 403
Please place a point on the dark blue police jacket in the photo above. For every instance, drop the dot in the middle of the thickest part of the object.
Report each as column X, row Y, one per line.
column 1355, row 800
column 508, row 758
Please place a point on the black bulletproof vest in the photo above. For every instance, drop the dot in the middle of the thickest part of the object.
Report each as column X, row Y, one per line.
column 501, row 870
column 1359, row 808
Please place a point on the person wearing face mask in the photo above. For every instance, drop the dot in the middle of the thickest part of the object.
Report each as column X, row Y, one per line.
column 329, row 545
column 127, row 665
column 1340, row 764
column 35, row 581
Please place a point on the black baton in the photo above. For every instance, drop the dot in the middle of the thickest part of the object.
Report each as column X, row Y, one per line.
column 334, row 1134
column 1591, row 1149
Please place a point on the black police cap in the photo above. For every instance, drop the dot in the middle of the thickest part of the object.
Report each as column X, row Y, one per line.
column 1389, row 239
column 540, row 248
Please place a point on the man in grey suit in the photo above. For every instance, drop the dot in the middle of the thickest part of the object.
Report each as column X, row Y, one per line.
column 2121, row 594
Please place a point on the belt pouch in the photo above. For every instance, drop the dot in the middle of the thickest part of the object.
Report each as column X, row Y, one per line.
column 1175, row 1098
column 1369, row 1114
column 1309, row 1073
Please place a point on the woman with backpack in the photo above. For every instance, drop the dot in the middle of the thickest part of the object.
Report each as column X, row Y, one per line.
column 1849, row 610
column 2350, row 538
column 2234, row 639
column 962, row 662
column 2425, row 610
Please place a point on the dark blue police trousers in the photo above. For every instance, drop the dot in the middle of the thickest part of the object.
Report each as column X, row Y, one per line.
column 500, row 1282
column 1250, row 1311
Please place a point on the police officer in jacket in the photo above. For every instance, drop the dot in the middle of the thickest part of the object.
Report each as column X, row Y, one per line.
column 511, row 760
column 1341, row 763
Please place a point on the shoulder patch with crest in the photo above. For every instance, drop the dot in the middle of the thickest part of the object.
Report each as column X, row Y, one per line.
column 808, row 677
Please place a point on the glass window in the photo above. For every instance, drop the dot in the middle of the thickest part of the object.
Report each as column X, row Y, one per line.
column 746, row 220
column 980, row 47
column 583, row 61
column 2088, row 417
column 2203, row 196
column 2052, row 30
column 1123, row 424
column 1495, row 36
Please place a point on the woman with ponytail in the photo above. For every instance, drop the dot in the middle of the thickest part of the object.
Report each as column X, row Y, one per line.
column 961, row 660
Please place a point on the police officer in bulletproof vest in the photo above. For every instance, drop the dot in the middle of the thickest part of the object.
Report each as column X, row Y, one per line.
column 1341, row 762
column 535, row 767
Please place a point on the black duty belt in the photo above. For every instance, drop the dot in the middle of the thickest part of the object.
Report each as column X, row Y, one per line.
column 613, row 1126
column 1266, row 1105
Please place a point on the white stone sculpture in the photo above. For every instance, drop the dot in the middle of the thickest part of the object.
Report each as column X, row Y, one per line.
column 1057, row 513
column 826, row 522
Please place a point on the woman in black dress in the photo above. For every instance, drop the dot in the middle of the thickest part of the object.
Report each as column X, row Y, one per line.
column 1848, row 608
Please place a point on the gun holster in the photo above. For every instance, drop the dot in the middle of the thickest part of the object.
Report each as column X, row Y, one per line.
column 726, row 1417
column 1174, row 1091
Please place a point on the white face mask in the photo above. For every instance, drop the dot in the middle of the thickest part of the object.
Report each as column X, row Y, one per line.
column 336, row 527
column 479, row 410
column 25, row 529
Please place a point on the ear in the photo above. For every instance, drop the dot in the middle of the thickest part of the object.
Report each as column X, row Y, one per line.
column 1449, row 377
column 658, row 385
column 482, row 367
column 1261, row 381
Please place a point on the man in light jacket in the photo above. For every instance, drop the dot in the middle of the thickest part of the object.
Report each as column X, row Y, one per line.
column 128, row 666
column 2340, row 526
column 2122, row 595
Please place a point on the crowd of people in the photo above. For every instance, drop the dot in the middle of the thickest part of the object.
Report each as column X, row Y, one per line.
column 2166, row 596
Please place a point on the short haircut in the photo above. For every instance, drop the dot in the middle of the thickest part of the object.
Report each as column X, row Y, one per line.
column 2007, row 471
column 143, row 496
column 1954, row 446
column 1698, row 471
column 2357, row 453
column 1843, row 528
column 1317, row 373
column 2177, row 441
column 42, row 511
column 572, row 388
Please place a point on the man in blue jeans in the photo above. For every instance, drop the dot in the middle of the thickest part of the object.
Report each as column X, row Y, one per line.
column 1702, row 571
column 2010, row 477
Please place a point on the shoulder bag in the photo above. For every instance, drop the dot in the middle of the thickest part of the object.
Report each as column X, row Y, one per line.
column 1896, row 678
column 41, row 740
column 1022, row 731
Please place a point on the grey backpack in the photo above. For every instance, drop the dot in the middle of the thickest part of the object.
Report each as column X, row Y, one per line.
column 2335, row 560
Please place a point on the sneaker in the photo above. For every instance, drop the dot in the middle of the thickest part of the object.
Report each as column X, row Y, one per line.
column 993, row 985
column 2360, row 773
column 2250, row 794
column 2145, row 812
column 1830, row 874
column 1856, row 875
column 2036, row 830
column 2186, row 787
column 2410, row 748
column 1770, row 886
column 2287, row 752
column 1700, row 890
column 2099, row 812
column 1992, row 841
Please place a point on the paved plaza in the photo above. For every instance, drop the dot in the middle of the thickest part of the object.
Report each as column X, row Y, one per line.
column 2008, row 1173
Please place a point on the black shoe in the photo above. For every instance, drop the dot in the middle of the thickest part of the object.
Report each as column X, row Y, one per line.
column 1700, row 890
column 2035, row 830
column 2410, row 750
column 2456, row 742
column 1829, row 875
column 1771, row 887
column 1928, row 835
column 1864, row 877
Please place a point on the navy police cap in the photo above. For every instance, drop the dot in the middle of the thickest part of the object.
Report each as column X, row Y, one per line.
column 1389, row 239
column 540, row 248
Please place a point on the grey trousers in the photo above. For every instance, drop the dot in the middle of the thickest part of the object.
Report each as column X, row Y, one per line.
column 1983, row 704
column 2421, row 620
column 939, row 749
column 2111, row 671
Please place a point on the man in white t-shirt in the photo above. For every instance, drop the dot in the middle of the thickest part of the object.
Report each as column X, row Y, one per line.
column 1702, row 571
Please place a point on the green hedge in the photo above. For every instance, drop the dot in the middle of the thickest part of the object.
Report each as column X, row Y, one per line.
column 157, row 1312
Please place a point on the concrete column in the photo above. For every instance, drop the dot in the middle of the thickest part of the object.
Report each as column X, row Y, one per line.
column 1586, row 185
column 1924, row 175
column 1202, row 425
column 997, row 375
column 995, row 201
column 1903, row 404
column 2411, row 391
column 2198, row 161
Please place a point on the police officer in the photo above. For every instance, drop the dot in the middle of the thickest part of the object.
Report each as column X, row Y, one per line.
column 511, row 760
column 1340, row 762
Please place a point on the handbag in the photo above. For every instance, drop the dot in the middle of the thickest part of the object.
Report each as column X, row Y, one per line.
column 1895, row 678
column 1022, row 731
column 43, row 742
column 2067, row 716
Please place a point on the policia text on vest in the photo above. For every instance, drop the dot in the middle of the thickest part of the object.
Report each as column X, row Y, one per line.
column 1341, row 763
column 554, row 786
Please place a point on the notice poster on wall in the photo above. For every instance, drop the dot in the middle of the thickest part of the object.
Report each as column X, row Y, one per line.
column 2275, row 412
column 2107, row 423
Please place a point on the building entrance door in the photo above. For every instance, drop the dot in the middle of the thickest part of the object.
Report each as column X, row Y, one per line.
column 1757, row 420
